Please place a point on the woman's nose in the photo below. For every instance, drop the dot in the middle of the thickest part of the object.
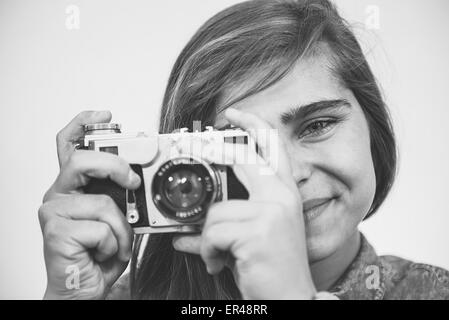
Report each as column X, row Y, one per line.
column 300, row 163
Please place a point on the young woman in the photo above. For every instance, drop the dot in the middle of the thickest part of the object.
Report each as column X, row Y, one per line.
column 293, row 66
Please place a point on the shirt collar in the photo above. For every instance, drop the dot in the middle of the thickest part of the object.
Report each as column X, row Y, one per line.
column 363, row 280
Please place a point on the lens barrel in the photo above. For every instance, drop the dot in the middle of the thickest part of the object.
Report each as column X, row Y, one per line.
column 183, row 188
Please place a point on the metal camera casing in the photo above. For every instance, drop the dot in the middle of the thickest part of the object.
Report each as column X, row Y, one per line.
column 149, row 155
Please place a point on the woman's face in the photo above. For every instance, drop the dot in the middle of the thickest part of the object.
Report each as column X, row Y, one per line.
column 326, row 136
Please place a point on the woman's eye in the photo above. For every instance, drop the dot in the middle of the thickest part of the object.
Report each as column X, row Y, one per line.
column 317, row 128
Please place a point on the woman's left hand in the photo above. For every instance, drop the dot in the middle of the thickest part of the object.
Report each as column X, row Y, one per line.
column 264, row 235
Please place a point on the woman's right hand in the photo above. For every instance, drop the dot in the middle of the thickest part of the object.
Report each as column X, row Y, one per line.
column 87, row 240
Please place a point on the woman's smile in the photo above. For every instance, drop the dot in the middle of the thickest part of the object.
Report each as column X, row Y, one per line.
column 315, row 207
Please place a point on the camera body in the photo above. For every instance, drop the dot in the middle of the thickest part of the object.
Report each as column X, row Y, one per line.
column 177, row 187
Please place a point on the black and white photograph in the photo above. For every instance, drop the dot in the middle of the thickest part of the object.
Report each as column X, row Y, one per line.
column 224, row 150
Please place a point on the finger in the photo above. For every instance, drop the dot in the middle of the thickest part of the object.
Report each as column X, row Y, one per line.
column 98, row 236
column 187, row 243
column 231, row 211
column 268, row 141
column 219, row 240
column 84, row 234
column 237, row 211
column 72, row 132
column 258, row 129
column 93, row 208
column 86, row 164
column 113, row 268
column 229, row 262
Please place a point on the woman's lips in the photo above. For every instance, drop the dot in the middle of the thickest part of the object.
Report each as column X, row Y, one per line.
column 315, row 207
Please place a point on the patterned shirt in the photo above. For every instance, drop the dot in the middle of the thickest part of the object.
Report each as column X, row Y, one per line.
column 373, row 277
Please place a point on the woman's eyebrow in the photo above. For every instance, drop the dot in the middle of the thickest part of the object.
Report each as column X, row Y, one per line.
column 301, row 112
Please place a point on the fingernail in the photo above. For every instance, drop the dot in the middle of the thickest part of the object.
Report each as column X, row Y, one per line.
column 126, row 256
column 175, row 243
column 133, row 177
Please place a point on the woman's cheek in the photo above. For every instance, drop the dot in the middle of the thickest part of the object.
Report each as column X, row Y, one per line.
column 350, row 175
column 350, row 161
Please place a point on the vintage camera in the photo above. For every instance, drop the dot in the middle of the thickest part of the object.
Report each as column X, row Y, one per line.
column 177, row 188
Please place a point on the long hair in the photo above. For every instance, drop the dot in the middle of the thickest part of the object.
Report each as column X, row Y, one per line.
column 261, row 41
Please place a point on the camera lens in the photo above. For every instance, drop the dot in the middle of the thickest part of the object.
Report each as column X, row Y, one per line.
column 183, row 188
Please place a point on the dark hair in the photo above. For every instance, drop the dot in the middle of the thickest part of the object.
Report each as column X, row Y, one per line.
column 261, row 40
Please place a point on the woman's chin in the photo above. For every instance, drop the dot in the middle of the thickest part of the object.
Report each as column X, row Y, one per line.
column 325, row 232
column 319, row 248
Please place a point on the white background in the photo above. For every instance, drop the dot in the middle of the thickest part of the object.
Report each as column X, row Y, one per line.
column 120, row 58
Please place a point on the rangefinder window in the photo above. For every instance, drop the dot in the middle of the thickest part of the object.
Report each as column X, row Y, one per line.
column 113, row 150
column 239, row 140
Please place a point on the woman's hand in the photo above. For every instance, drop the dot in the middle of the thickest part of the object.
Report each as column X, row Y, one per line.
column 264, row 235
column 87, row 240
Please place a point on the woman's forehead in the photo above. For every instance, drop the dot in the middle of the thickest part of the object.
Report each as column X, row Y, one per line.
column 309, row 80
